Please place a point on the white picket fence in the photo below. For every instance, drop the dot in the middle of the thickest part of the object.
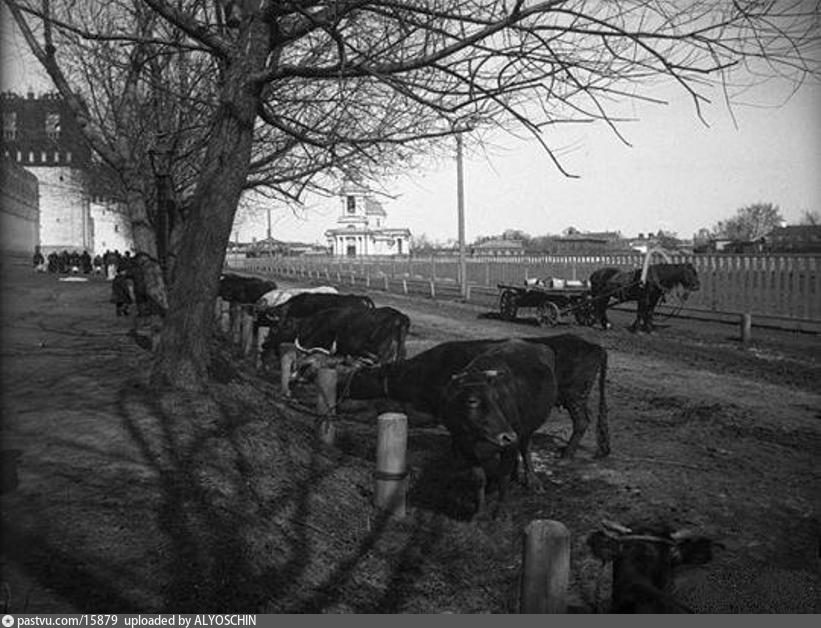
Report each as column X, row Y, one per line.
column 778, row 290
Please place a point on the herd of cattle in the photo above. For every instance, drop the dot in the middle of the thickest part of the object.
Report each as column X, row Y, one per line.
column 492, row 395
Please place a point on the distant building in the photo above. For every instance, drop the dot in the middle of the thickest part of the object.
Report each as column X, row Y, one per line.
column 587, row 243
column 794, row 239
column 19, row 209
column 362, row 229
column 498, row 247
column 41, row 135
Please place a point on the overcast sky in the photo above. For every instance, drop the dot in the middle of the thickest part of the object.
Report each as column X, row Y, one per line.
column 679, row 175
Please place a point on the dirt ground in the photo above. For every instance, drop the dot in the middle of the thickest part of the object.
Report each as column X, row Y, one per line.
column 129, row 501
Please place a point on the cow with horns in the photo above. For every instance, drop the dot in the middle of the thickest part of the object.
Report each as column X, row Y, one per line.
column 645, row 558
column 286, row 316
column 345, row 334
column 477, row 390
column 578, row 363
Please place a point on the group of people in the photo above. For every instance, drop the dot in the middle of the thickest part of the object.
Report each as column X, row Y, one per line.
column 65, row 262
column 116, row 266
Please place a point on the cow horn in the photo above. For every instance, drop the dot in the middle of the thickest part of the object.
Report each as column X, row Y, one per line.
column 311, row 350
column 680, row 535
column 615, row 526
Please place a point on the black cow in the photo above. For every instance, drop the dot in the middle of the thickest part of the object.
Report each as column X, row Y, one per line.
column 285, row 321
column 307, row 304
column 645, row 557
column 243, row 289
column 578, row 362
column 474, row 388
column 377, row 334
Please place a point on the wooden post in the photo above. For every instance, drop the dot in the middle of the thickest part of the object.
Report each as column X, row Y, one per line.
column 225, row 317
column 387, row 285
column 326, row 404
column 287, row 353
column 405, row 286
column 247, row 332
column 391, row 475
column 545, row 567
column 218, row 310
column 234, row 310
column 746, row 328
column 467, row 293
column 432, row 290
column 262, row 336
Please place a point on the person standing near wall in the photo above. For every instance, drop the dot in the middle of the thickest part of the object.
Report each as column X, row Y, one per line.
column 38, row 261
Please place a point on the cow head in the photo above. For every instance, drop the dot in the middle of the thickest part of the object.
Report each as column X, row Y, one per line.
column 644, row 559
column 474, row 409
column 689, row 278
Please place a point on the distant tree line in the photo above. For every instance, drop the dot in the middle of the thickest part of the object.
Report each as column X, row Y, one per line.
column 749, row 224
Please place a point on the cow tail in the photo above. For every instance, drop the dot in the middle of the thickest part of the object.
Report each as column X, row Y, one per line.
column 602, row 429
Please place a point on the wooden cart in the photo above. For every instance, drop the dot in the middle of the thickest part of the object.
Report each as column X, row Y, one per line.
column 552, row 304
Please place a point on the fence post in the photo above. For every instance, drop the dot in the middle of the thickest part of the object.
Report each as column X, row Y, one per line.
column 225, row 316
column 287, row 355
column 247, row 332
column 432, row 289
column 261, row 337
column 387, row 285
column 545, row 567
column 218, row 311
column 391, row 474
column 326, row 380
column 746, row 328
column 405, row 286
column 236, row 322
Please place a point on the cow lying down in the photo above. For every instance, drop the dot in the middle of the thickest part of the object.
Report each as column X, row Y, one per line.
column 645, row 557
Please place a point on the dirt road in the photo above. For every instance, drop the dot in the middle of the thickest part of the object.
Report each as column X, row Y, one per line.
column 120, row 507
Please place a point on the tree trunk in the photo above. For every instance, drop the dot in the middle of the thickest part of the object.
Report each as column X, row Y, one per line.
column 182, row 358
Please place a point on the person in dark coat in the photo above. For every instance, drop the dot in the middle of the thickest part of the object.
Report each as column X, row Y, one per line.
column 122, row 292
column 85, row 262
column 38, row 256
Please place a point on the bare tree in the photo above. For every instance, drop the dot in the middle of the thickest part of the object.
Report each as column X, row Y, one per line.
column 750, row 223
column 303, row 89
column 811, row 218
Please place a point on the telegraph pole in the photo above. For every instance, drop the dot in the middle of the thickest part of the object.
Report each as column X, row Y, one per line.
column 460, row 202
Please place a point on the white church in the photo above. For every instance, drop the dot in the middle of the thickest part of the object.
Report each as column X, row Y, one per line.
column 361, row 229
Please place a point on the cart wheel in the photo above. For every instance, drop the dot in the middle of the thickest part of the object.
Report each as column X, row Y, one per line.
column 548, row 314
column 507, row 305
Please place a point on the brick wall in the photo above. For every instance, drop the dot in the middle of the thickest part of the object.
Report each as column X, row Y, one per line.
column 19, row 209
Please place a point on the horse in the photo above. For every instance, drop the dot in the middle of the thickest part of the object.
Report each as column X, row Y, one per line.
column 609, row 283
